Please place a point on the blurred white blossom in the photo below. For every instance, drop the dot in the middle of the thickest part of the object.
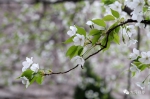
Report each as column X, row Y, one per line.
column 145, row 57
column 26, row 64
column 78, row 60
column 35, row 67
column 25, row 81
column 72, row 31
column 79, row 40
column 135, row 54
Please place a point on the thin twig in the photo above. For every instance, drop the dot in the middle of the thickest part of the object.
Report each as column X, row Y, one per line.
column 61, row 72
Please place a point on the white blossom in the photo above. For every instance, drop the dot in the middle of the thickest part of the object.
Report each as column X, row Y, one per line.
column 89, row 23
column 26, row 64
column 135, row 54
column 78, row 60
column 25, row 81
column 116, row 6
column 145, row 57
column 141, row 85
column 35, row 67
column 79, row 40
column 72, row 31
column 129, row 3
column 131, row 42
column 125, row 91
column 131, row 30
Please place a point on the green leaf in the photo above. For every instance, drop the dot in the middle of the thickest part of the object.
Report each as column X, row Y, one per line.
column 140, row 65
column 70, row 40
column 95, row 38
column 108, row 2
column 71, row 51
column 115, row 13
column 95, row 32
column 39, row 79
column 80, row 51
column 33, row 79
column 117, row 30
column 133, row 74
column 81, row 31
column 109, row 18
column 99, row 22
column 116, row 38
column 28, row 74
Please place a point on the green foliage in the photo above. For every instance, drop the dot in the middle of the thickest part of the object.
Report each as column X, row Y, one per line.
column 95, row 38
column 74, row 50
column 99, row 22
column 140, row 65
column 95, row 32
column 71, row 51
column 39, row 79
column 108, row 2
column 70, row 40
column 115, row 13
column 96, row 84
column 81, row 31
column 28, row 74
column 109, row 18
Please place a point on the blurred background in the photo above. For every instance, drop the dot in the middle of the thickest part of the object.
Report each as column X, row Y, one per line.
column 37, row 28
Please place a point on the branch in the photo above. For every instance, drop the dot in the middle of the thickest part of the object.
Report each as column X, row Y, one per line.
column 147, row 22
column 61, row 72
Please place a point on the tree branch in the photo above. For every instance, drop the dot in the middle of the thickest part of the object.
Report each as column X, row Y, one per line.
column 146, row 22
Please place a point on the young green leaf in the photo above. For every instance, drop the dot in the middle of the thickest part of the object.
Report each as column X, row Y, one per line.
column 99, row 22
column 116, row 38
column 72, row 51
column 95, row 38
column 80, row 50
column 109, row 18
column 70, row 40
column 95, row 32
column 39, row 79
column 115, row 13
column 28, row 74
column 81, row 31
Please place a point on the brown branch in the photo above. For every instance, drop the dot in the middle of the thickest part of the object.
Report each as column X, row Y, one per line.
column 147, row 22
column 61, row 72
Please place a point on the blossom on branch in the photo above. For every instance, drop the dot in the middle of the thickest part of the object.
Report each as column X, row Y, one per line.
column 25, row 81
column 26, row 64
column 35, row 67
column 79, row 40
column 72, row 31
column 135, row 54
column 89, row 23
column 78, row 60
column 145, row 57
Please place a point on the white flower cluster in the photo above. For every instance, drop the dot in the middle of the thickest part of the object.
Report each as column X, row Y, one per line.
column 26, row 65
column 137, row 6
column 78, row 41
column 144, row 56
column 129, row 31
